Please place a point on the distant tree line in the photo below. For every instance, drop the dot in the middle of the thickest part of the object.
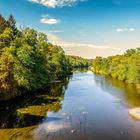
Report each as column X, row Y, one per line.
column 27, row 60
column 79, row 62
column 124, row 67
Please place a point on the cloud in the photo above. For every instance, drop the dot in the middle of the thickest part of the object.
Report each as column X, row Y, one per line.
column 131, row 29
column 47, row 128
column 73, row 44
column 91, row 53
column 86, row 50
column 57, row 41
column 55, row 31
column 56, row 3
column 47, row 20
column 53, row 38
column 119, row 30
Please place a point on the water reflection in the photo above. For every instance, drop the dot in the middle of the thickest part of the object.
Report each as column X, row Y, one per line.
column 123, row 91
column 82, row 70
column 30, row 111
column 50, row 128
column 87, row 110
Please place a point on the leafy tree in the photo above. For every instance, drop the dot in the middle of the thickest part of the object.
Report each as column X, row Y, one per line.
column 5, row 38
column 8, row 85
column 77, row 61
column 3, row 24
column 12, row 25
column 27, row 60
column 123, row 67
column 30, row 66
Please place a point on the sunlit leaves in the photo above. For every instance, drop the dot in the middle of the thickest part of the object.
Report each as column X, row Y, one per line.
column 123, row 67
column 28, row 61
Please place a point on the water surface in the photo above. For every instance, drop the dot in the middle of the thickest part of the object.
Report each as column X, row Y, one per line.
column 86, row 107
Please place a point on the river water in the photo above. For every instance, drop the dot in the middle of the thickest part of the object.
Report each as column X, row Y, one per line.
column 84, row 107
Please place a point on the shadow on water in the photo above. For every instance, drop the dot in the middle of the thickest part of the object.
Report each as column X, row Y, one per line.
column 32, row 110
column 127, row 92
column 82, row 112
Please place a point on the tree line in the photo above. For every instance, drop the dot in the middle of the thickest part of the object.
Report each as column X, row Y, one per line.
column 27, row 60
column 79, row 62
column 124, row 67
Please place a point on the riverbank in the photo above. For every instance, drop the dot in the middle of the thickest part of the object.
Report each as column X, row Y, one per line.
column 125, row 67
column 115, row 78
column 74, row 110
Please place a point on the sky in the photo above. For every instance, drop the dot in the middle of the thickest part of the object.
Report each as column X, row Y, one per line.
column 86, row 28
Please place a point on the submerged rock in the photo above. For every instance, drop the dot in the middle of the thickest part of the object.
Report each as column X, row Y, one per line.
column 84, row 112
column 73, row 131
column 135, row 112
column 64, row 114
column 81, row 108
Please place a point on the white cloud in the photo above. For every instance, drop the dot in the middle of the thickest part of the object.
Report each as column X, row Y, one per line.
column 46, row 128
column 131, row 29
column 74, row 44
column 55, row 31
column 53, row 38
column 48, row 20
column 119, row 30
column 57, row 41
column 86, row 50
column 56, row 3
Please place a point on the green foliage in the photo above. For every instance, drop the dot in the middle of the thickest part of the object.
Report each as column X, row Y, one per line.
column 123, row 67
column 8, row 32
column 3, row 24
column 78, row 62
column 11, row 23
column 5, row 38
column 7, row 83
column 27, row 60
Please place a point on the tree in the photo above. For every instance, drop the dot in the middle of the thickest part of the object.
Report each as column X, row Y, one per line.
column 12, row 25
column 123, row 67
column 77, row 61
column 8, row 85
column 5, row 38
column 27, row 61
column 30, row 67
column 3, row 24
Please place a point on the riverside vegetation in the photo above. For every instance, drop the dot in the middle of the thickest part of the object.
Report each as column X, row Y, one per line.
column 124, row 67
column 28, row 61
column 77, row 61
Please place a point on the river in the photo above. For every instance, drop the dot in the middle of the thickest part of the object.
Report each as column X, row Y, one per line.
column 84, row 107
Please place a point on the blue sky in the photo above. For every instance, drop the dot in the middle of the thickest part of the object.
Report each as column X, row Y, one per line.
column 82, row 27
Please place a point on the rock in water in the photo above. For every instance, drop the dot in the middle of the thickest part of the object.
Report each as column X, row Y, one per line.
column 72, row 131
column 135, row 112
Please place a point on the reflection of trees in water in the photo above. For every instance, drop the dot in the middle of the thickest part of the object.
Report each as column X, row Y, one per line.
column 84, row 69
column 119, row 89
column 57, row 88
column 30, row 110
